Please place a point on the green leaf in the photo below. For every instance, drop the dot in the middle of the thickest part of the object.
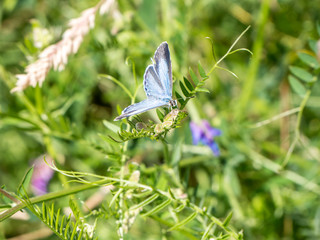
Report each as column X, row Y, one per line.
column 202, row 90
column 309, row 59
column 193, row 76
column 106, row 138
column 160, row 115
column 56, row 226
column 114, row 128
column 158, row 208
column 75, row 229
column 200, row 84
column 184, row 221
column 207, row 232
column 318, row 28
column 171, row 193
column 25, row 181
column 202, row 71
column 75, row 209
column 145, row 202
column 297, row 86
column 301, row 73
column 188, row 84
column 179, row 98
column 131, row 124
column 184, row 90
column 227, row 220
column 225, row 237
column 313, row 46
column 179, row 208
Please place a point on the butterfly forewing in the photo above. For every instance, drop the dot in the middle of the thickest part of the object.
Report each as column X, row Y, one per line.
column 163, row 67
column 152, row 83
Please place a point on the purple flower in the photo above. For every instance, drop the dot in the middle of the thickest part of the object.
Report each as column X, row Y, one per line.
column 41, row 176
column 205, row 134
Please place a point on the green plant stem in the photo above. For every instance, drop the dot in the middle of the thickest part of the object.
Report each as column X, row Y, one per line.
column 214, row 219
column 297, row 128
column 107, row 180
column 255, row 62
column 6, row 214
column 166, row 152
column 121, row 195
column 228, row 52
column 9, row 196
column 38, row 99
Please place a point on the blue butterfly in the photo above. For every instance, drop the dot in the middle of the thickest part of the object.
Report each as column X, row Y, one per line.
column 157, row 85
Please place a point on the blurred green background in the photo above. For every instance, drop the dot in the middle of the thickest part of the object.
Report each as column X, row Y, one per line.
column 268, row 202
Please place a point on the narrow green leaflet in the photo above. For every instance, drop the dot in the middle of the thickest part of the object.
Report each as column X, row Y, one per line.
column 309, row 60
column 145, row 202
column 114, row 128
column 224, row 237
column 297, row 86
column 75, row 209
column 227, row 220
column 207, row 232
column 180, row 208
column 158, row 208
column 25, row 181
column 184, row 90
column 160, row 115
column 202, row 72
column 183, row 222
column 301, row 73
column 313, row 45
column 202, row 90
column 179, row 98
column 188, row 84
column 193, row 76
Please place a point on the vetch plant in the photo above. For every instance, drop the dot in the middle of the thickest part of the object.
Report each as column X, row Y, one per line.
column 134, row 196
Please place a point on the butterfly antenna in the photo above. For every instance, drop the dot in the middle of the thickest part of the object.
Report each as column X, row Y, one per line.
column 186, row 97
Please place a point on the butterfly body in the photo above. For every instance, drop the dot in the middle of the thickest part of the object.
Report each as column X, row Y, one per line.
column 157, row 85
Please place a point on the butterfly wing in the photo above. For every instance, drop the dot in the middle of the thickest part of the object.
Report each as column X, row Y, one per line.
column 152, row 83
column 163, row 67
column 157, row 84
column 141, row 107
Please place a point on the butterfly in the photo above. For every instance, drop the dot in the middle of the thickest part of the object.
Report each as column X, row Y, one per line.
column 157, row 82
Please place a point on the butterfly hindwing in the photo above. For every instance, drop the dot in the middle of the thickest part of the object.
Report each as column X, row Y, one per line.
column 141, row 107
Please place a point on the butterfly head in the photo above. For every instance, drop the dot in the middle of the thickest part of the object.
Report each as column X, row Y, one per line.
column 173, row 103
